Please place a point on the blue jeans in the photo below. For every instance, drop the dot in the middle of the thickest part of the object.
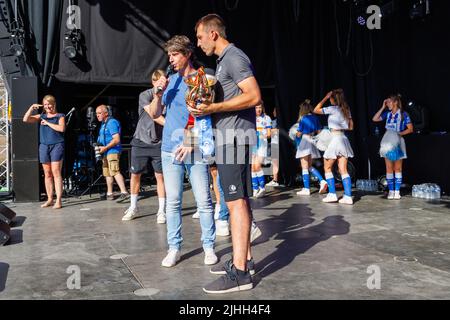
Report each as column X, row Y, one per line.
column 173, row 180
column 224, row 214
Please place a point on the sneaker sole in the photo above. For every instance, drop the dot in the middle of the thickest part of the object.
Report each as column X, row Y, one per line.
column 169, row 266
column 210, row 263
column 238, row 288
column 223, row 234
column 221, row 273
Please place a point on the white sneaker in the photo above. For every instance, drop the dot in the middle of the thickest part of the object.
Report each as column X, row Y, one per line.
column 323, row 187
column 304, row 192
column 255, row 232
column 217, row 211
column 173, row 256
column 255, row 193
column 222, row 228
column 130, row 214
column 397, row 195
column 330, row 198
column 273, row 183
column 161, row 217
column 210, row 257
column 346, row 200
column 391, row 195
column 196, row 215
column 261, row 193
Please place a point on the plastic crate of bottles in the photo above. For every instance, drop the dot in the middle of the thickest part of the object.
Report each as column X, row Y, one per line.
column 429, row 191
column 367, row 185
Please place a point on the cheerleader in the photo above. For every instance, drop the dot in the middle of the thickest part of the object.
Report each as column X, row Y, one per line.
column 263, row 132
column 392, row 147
column 308, row 126
column 339, row 148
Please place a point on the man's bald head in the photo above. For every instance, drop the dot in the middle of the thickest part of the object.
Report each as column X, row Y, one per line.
column 102, row 112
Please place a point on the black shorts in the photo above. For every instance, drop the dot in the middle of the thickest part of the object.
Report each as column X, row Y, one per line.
column 140, row 158
column 233, row 165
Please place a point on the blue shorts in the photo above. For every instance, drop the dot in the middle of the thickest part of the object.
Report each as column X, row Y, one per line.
column 51, row 152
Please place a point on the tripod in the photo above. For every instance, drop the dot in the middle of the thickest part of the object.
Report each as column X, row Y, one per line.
column 67, row 183
column 92, row 169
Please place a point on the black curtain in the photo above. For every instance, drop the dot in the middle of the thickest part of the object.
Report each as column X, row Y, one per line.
column 124, row 39
column 40, row 20
column 321, row 47
column 304, row 48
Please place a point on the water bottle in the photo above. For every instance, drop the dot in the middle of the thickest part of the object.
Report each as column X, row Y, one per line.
column 428, row 192
column 419, row 192
column 438, row 192
column 374, row 186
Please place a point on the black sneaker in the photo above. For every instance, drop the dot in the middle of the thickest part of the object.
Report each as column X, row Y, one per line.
column 123, row 197
column 222, row 269
column 233, row 280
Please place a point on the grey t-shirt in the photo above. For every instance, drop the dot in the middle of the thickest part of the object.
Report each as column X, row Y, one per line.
column 233, row 67
column 148, row 133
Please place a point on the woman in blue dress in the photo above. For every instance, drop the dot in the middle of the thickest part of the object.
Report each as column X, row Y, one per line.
column 51, row 146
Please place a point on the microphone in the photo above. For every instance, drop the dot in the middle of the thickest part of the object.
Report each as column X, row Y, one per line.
column 70, row 112
column 169, row 71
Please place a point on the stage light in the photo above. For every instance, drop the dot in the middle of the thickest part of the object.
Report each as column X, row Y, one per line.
column 70, row 52
column 420, row 9
column 72, row 44
column 361, row 21
column 16, row 47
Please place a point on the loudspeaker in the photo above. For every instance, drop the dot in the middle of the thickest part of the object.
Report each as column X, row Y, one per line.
column 26, row 180
column 24, row 140
column 24, row 94
column 6, row 214
column 5, row 232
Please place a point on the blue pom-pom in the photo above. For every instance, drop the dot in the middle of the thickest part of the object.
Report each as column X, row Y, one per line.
column 395, row 155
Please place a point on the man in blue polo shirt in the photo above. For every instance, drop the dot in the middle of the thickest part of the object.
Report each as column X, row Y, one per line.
column 110, row 148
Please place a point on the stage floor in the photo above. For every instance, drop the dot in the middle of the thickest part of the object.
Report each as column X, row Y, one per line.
column 308, row 250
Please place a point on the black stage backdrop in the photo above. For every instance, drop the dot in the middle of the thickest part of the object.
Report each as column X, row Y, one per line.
column 124, row 39
column 303, row 48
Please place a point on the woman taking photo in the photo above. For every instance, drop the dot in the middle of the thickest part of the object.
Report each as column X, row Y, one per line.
column 51, row 146
column 393, row 148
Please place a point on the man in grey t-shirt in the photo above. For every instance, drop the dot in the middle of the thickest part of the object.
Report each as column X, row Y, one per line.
column 234, row 119
column 145, row 149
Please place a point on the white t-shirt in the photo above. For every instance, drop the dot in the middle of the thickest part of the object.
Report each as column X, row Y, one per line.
column 262, row 124
column 336, row 118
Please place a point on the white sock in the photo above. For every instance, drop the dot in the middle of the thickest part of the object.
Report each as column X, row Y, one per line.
column 133, row 201
column 162, row 204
